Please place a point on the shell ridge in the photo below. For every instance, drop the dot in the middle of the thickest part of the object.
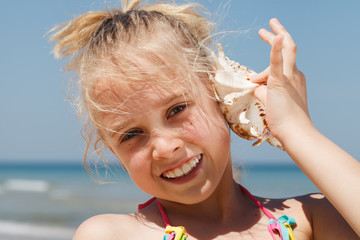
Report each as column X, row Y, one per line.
column 234, row 92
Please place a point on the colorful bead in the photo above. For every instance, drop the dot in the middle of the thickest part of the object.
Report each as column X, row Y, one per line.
column 175, row 233
column 282, row 226
column 170, row 236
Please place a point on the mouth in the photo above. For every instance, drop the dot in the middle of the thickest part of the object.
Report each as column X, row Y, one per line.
column 184, row 169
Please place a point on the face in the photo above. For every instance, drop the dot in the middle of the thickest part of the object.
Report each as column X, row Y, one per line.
column 174, row 147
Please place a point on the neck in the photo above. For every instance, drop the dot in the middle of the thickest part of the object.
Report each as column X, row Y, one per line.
column 227, row 210
column 225, row 204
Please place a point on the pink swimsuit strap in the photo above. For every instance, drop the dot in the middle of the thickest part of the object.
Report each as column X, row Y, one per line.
column 161, row 209
column 262, row 208
column 280, row 225
column 166, row 220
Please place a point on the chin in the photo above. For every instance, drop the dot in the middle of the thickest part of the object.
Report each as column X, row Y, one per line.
column 197, row 196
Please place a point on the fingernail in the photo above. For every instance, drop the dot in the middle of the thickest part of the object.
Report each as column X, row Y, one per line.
column 275, row 20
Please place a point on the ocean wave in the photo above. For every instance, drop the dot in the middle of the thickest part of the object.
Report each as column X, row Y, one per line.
column 26, row 185
column 35, row 230
column 60, row 194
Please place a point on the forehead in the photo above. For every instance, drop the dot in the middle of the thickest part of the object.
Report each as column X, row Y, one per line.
column 126, row 92
column 121, row 102
column 140, row 98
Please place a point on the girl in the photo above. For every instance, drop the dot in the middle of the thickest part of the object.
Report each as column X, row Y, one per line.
column 144, row 78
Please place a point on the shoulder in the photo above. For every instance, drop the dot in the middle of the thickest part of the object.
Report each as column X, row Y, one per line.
column 144, row 224
column 300, row 206
column 296, row 207
column 327, row 221
column 106, row 226
column 315, row 216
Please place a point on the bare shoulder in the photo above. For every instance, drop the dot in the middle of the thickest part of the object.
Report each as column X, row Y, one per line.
column 327, row 221
column 106, row 226
column 315, row 216
column 297, row 208
column 144, row 224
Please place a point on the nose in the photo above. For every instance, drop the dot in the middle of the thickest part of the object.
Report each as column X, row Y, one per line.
column 165, row 144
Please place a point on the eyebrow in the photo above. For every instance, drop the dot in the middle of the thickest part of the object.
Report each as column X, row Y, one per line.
column 115, row 130
column 118, row 127
column 172, row 98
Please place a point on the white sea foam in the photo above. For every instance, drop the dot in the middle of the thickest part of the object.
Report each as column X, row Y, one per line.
column 60, row 194
column 33, row 230
column 26, row 185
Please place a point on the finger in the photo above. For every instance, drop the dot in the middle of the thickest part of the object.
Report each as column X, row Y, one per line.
column 276, row 61
column 266, row 36
column 261, row 77
column 289, row 47
column 261, row 94
column 278, row 28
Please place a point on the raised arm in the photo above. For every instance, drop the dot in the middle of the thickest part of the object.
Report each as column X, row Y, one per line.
column 332, row 170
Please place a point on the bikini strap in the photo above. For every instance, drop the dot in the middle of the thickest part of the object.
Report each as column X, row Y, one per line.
column 160, row 207
column 166, row 220
column 163, row 214
column 171, row 233
column 143, row 205
column 265, row 211
column 282, row 225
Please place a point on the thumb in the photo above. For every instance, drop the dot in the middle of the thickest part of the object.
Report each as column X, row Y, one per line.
column 261, row 93
column 261, row 77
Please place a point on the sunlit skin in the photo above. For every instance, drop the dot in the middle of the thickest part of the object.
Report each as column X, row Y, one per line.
column 165, row 129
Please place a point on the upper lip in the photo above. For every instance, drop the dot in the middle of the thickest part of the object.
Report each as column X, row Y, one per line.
column 178, row 164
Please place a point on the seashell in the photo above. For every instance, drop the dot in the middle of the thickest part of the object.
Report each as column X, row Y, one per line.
column 244, row 113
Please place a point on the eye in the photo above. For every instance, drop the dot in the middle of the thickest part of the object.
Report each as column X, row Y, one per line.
column 176, row 110
column 130, row 134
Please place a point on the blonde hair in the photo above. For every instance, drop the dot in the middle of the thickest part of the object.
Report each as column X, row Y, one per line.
column 107, row 45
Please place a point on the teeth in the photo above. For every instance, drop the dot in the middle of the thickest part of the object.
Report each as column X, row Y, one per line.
column 184, row 169
column 171, row 175
column 178, row 172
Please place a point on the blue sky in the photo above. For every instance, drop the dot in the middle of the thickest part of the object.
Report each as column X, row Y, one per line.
column 37, row 124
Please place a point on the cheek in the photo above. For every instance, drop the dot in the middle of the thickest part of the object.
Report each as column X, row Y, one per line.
column 194, row 127
column 211, row 126
column 132, row 156
column 135, row 158
column 139, row 166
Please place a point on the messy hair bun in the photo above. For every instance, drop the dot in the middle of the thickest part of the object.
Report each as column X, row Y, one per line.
column 72, row 37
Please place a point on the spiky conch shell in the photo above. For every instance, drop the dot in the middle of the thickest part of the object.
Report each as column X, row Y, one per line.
column 244, row 113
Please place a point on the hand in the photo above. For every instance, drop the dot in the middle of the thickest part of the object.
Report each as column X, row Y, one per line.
column 283, row 86
column 283, row 91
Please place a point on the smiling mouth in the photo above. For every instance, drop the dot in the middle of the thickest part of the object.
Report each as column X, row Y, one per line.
column 184, row 169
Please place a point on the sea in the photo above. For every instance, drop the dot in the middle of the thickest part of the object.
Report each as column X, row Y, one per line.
column 49, row 201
